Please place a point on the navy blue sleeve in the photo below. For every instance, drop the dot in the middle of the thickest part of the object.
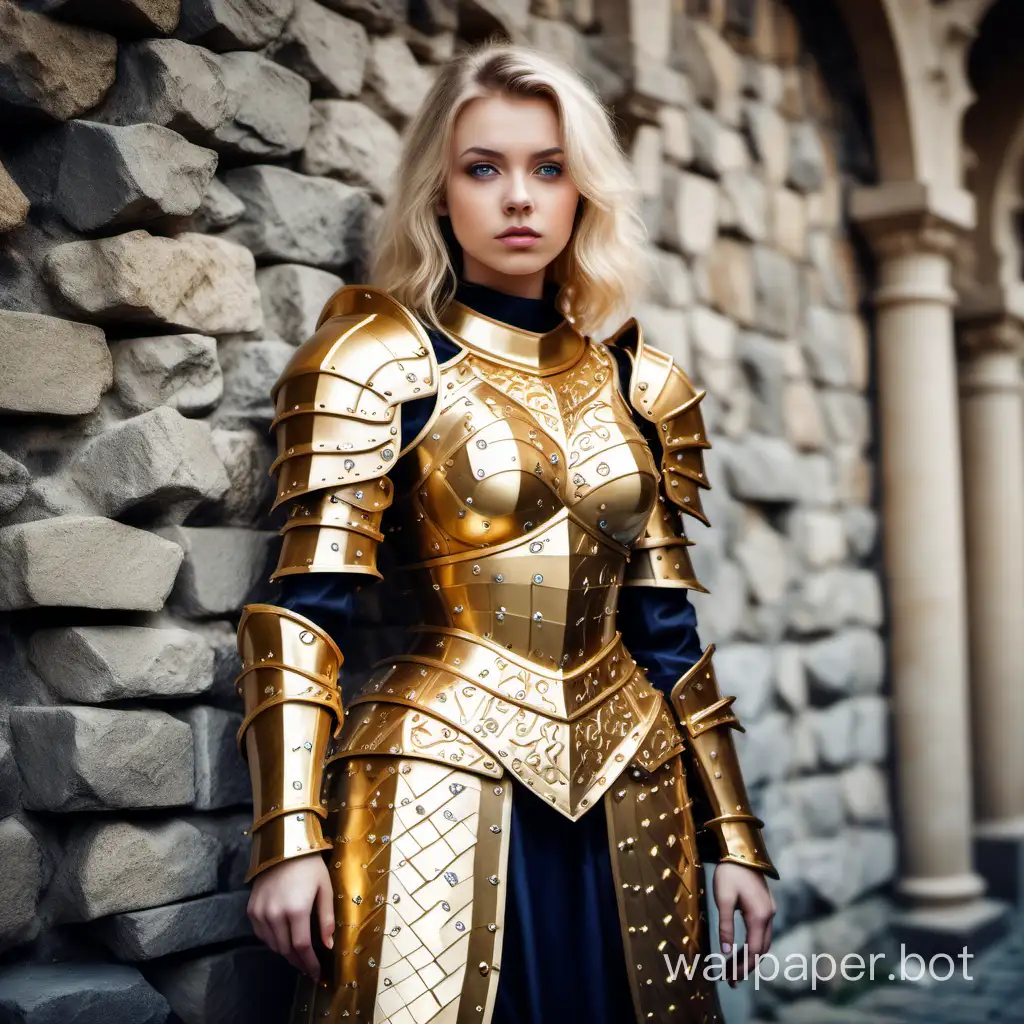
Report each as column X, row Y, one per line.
column 658, row 625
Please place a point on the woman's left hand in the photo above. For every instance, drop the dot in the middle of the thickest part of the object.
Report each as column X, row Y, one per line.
column 745, row 890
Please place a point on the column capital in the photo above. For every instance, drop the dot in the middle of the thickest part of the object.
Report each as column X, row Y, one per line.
column 903, row 218
column 1002, row 334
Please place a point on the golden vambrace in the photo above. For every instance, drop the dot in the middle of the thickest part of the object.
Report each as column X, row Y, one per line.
column 289, row 683
column 708, row 719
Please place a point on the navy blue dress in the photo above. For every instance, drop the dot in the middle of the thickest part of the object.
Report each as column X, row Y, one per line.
column 562, row 956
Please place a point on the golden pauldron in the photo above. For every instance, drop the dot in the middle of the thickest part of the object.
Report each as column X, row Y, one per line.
column 708, row 719
column 289, row 683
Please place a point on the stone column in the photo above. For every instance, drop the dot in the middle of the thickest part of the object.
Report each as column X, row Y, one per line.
column 993, row 451
column 923, row 540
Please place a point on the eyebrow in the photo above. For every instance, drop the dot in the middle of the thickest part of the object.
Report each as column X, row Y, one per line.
column 495, row 154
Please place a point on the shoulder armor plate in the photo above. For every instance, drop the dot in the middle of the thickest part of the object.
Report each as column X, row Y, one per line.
column 338, row 403
column 665, row 396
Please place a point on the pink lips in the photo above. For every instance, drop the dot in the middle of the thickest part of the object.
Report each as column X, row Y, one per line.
column 519, row 238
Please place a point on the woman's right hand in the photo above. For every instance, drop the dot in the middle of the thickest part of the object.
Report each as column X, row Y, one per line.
column 280, row 906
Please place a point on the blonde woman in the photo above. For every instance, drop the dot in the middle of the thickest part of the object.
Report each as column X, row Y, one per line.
column 498, row 827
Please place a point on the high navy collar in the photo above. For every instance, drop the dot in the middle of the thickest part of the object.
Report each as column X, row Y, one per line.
column 535, row 315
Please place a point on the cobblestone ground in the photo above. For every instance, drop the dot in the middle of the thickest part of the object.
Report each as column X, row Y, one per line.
column 994, row 995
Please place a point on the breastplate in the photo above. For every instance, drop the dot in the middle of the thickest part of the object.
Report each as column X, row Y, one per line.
column 522, row 500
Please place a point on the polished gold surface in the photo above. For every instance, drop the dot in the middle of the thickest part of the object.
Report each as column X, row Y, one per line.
column 418, row 871
column 289, row 686
column 498, row 342
column 708, row 719
column 659, row 887
column 565, row 735
column 660, row 558
column 662, row 393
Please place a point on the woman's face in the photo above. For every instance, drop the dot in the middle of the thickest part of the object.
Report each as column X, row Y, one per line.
column 509, row 195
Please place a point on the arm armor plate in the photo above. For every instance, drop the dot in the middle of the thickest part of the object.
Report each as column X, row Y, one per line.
column 708, row 719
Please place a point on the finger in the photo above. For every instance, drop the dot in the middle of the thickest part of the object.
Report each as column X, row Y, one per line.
column 757, row 924
column 325, row 914
column 302, row 944
column 726, row 925
column 282, row 943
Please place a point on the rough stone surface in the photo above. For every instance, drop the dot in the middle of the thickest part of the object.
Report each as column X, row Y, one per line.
column 110, row 867
column 51, row 365
column 395, row 83
column 112, row 175
column 79, row 994
column 125, row 17
column 690, row 214
column 221, row 775
column 848, row 662
column 85, row 562
column 222, row 565
column 246, row 459
column 176, row 370
column 233, row 24
column 236, row 986
column 14, row 204
column 293, row 218
column 96, row 664
column 96, row 759
column 377, row 15
column 159, row 931
column 52, row 69
column 267, row 108
column 293, row 297
column 220, row 208
column 350, row 142
column 777, row 292
column 745, row 672
column 14, row 481
column 20, row 882
column 157, row 467
column 763, row 469
column 250, row 370
column 167, row 82
column 327, row 49
column 194, row 281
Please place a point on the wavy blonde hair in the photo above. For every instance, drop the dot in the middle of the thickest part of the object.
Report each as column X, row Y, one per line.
column 600, row 270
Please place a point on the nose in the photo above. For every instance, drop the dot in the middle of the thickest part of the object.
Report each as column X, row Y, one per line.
column 518, row 198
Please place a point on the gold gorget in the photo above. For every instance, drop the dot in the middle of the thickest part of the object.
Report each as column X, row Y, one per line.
column 524, row 497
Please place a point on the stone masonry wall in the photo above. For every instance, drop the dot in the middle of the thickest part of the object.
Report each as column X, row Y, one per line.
column 183, row 184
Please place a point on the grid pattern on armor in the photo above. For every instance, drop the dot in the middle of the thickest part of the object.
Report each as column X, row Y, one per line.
column 420, row 851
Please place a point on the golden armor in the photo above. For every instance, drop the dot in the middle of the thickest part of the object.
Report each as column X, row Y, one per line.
column 528, row 499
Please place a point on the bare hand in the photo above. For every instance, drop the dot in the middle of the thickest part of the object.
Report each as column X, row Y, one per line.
column 743, row 889
column 280, row 906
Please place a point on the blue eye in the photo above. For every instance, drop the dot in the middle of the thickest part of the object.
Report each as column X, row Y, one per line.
column 550, row 170
column 475, row 170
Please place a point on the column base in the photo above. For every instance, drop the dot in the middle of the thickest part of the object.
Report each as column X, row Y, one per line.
column 976, row 925
column 999, row 858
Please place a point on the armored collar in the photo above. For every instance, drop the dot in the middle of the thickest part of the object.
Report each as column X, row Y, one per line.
column 543, row 354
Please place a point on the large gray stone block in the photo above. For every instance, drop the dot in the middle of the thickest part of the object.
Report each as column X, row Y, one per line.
column 170, row 83
column 777, row 296
column 745, row 671
column 377, row 15
column 85, row 562
column 158, row 466
column 237, row 986
column 221, row 636
column 159, row 931
column 327, row 49
column 176, row 370
column 294, row 218
column 251, row 368
column 110, row 867
column 14, row 204
column 79, row 994
column 95, row 664
column 246, row 458
column 122, row 17
column 51, row 365
column 396, row 84
column 348, row 141
column 20, row 882
column 824, row 344
column 849, row 662
column 807, row 168
column 222, row 777
column 222, row 565
column 762, row 469
column 51, row 69
column 10, row 781
column 112, row 175
column 293, row 297
column 97, row 759
column 233, row 24
column 267, row 108
column 14, row 481
column 197, row 282
column 229, row 832
column 219, row 208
